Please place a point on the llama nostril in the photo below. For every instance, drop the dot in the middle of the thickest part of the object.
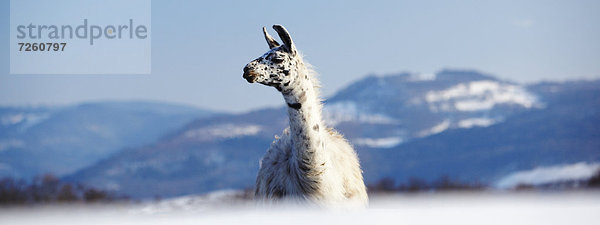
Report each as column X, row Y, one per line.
column 249, row 76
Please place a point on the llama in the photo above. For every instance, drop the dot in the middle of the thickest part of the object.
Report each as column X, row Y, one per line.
column 309, row 162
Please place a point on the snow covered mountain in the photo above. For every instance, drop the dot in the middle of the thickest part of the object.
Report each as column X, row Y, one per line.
column 565, row 131
column 62, row 140
column 404, row 107
column 401, row 125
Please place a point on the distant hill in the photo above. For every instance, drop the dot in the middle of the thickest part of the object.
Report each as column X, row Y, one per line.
column 62, row 140
column 565, row 131
column 463, row 124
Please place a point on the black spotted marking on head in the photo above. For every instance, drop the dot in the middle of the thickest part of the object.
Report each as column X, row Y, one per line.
column 316, row 127
column 277, row 60
column 295, row 106
column 286, row 72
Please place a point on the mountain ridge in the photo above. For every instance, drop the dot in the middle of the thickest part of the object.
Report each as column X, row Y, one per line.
column 60, row 140
column 377, row 117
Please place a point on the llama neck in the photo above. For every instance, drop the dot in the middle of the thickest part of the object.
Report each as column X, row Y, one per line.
column 306, row 125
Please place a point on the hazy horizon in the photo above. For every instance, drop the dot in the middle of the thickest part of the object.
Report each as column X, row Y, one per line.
column 274, row 104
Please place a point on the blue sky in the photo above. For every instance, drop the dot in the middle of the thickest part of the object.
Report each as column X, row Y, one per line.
column 199, row 48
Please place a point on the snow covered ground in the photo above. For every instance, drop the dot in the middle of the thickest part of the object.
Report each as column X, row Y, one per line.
column 479, row 208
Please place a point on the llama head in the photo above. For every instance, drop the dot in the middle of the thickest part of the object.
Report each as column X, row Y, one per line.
column 278, row 67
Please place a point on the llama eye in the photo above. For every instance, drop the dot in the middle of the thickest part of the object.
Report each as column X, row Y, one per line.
column 277, row 60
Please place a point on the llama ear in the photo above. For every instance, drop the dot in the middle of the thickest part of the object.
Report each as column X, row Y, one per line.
column 285, row 37
column 272, row 42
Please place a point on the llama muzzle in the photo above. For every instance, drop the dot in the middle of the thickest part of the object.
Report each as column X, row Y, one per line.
column 249, row 75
